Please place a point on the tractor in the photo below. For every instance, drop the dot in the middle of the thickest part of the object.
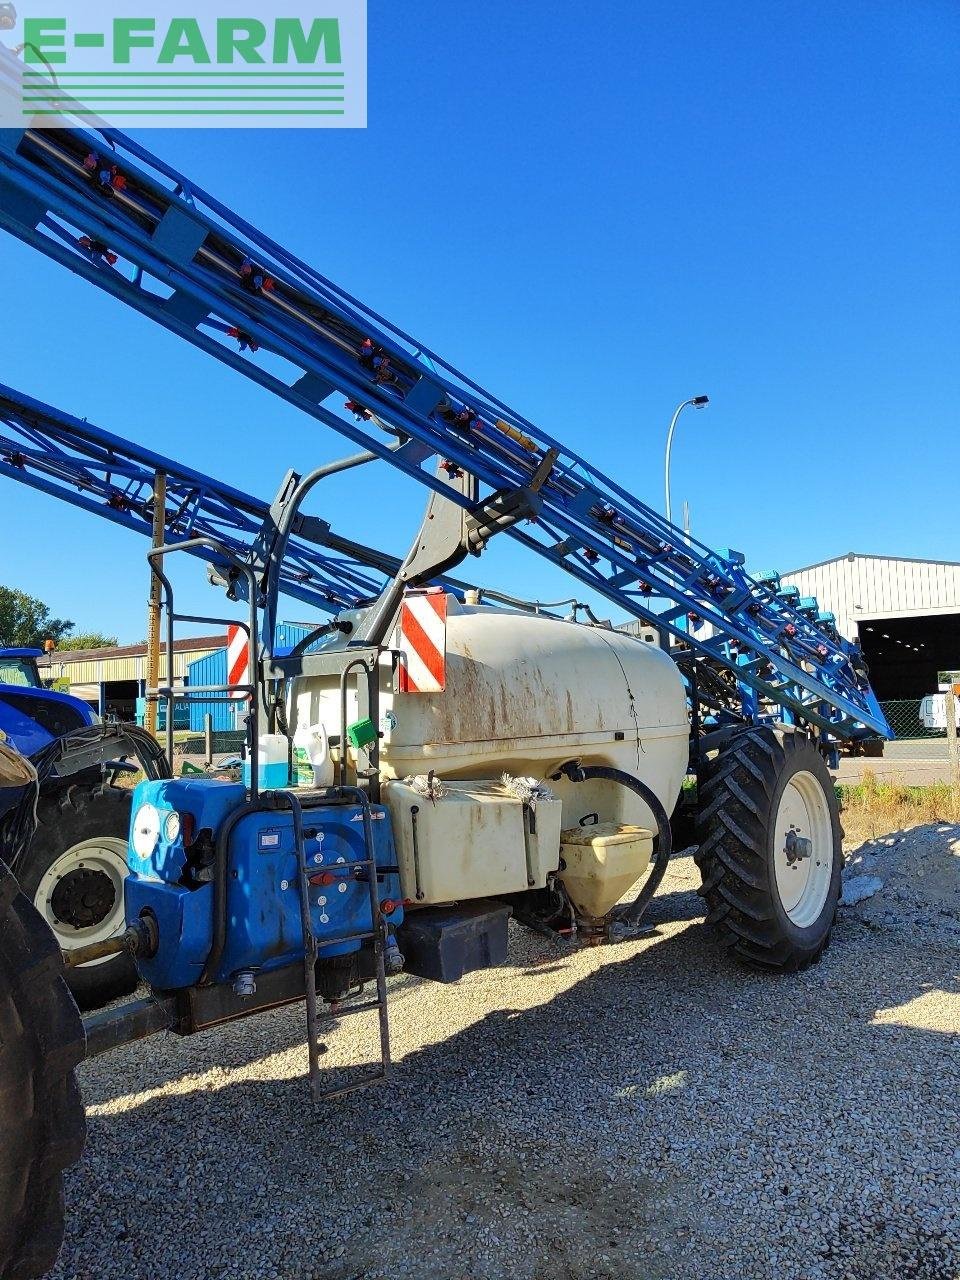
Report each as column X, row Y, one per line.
column 408, row 824
column 73, row 868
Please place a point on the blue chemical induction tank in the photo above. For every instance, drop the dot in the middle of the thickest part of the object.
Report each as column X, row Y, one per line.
column 174, row 828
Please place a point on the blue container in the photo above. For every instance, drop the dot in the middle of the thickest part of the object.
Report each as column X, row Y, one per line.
column 263, row 904
column 227, row 713
column 272, row 777
column 288, row 636
column 181, row 714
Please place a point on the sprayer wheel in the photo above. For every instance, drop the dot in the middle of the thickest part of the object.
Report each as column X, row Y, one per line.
column 770, row 848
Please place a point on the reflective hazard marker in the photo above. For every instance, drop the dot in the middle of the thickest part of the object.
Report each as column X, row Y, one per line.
column 238, row 659
column 423, row 643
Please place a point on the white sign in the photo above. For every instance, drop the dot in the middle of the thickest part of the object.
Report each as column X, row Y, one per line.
column 166, row 64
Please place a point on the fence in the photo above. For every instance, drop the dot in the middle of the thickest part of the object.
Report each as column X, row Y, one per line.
column 225, row 742
column 912, row 741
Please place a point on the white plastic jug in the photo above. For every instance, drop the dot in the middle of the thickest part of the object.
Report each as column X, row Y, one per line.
column 312, row 765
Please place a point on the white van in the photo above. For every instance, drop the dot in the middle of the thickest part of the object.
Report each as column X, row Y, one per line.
column 933, row 711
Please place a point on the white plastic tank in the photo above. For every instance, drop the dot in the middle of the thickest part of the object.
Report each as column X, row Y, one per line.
column 523, row 695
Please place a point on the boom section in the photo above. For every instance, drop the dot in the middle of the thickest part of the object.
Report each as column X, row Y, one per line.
column 104, row 207
column 114, row 478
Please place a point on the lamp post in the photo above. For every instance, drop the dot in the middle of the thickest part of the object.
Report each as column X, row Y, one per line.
column 698, row 402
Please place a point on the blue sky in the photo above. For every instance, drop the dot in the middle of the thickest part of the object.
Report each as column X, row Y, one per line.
column 596, row 216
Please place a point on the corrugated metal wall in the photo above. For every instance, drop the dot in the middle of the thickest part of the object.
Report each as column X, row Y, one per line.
column 859, row 587
column 212, row 669
column 289, row 634
column 95, row 670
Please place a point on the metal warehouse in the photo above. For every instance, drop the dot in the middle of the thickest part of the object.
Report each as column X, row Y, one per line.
column 227, row 715
column 113, row 680
column 905, row 614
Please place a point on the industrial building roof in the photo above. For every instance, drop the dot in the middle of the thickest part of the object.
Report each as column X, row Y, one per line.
column 191, row 644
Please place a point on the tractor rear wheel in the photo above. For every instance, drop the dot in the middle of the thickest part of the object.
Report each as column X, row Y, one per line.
column 42, row 1126
column 770, row 848
column 73, row 872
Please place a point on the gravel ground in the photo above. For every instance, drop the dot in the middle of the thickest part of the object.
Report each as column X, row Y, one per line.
column 648, row 1110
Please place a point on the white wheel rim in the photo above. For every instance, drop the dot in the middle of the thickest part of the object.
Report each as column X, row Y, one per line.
column 803, row 852
column 104, row 855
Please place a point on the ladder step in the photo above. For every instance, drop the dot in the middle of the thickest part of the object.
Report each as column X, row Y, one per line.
column 345, row 1010
column 311, row 945
column 368, row 936
column 369, row 1078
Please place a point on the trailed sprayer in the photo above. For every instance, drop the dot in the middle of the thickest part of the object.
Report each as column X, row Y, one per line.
column 433, row 760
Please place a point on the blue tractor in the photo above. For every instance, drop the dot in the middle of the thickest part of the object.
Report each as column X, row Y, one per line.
column 73, row 868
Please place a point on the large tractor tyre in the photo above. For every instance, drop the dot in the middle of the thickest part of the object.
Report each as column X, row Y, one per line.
column 42, row 1126
column 73, row 874
column 770, row 851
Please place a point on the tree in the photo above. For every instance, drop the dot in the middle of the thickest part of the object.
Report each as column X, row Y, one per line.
column 26, row 622
column 87, row 640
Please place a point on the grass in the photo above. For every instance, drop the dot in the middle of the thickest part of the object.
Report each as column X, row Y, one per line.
column 873, row 808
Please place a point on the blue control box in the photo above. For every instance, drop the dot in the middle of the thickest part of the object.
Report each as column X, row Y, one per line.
column 264, row 929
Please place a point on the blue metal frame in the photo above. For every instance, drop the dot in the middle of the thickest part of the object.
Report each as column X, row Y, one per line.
column 181, row 258
column 99, row 472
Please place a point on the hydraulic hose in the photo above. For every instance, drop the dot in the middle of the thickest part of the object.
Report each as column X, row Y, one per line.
column 583, row 773
column 220, row 884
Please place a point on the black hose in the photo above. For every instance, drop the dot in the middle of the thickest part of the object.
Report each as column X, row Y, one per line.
column 269, row 802
column 582, row 773
column 220, row 878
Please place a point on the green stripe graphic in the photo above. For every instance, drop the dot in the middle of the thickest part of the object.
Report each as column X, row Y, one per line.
column 165, row 97
column 175, row 112
column 210, row 74
column 70, row 91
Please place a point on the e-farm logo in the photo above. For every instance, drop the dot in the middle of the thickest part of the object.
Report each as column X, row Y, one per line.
column 105, row 62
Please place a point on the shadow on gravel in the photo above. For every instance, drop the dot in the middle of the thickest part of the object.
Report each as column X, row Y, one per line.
column 670, row 1115
column 175, row 1059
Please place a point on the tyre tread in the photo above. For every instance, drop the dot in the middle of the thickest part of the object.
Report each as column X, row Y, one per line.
column 63, row 818
column 41, row 1113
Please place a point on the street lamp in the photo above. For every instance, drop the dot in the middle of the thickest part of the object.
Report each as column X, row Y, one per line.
column 698, row 402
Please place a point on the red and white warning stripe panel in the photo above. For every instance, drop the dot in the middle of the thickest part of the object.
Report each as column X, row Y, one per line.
column 238, row 659
column 422, row 642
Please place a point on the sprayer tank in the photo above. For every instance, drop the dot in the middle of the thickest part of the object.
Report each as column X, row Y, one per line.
column 524, row 694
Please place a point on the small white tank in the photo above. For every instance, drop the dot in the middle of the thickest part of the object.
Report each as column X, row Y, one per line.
column 523, row 695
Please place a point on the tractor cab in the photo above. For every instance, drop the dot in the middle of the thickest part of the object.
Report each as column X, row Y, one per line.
column 31, row 715
column 18, row 667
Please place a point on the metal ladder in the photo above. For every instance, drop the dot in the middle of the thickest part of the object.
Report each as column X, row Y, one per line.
column 365, row 867
column 377, row 934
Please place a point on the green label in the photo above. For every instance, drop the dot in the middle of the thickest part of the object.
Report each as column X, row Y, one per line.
column 302, row 768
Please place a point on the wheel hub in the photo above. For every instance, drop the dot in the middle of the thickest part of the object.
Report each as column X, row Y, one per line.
column 82, row 898
column 80, row 895
column 796, row 846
